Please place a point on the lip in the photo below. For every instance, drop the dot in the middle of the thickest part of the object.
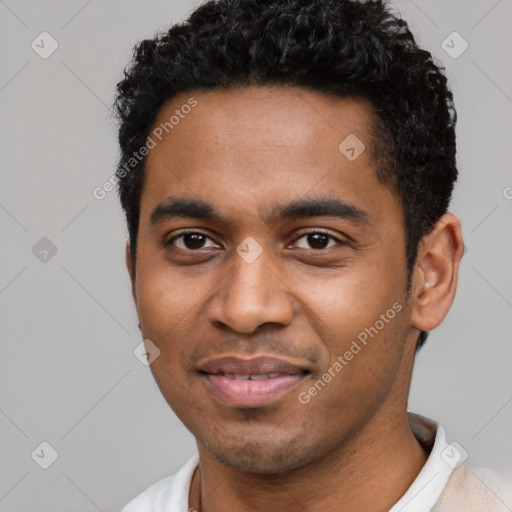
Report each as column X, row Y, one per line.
column 250, row 393
column 252, row 366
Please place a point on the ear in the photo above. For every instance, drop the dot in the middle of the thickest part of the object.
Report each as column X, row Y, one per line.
column 131, row 269
column 436, row 273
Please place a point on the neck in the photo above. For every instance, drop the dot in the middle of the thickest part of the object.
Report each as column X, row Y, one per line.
column 370, row 473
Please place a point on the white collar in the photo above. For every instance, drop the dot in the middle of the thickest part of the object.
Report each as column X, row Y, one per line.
column 424, row 492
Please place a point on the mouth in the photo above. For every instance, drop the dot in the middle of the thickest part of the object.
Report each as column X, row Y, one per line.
column 256, row 382
column 248, row 376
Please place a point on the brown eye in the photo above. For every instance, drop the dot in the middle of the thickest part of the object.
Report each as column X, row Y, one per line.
column 318, row 240
column 192, row 240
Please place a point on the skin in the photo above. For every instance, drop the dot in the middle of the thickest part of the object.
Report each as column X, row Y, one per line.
column 245, row 151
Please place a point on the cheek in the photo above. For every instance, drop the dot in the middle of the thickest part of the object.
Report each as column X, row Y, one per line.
column 365, row 362
column 166, row 309
column 169, row 307
column 343, row 304
column 361, row 318
column 164, row 297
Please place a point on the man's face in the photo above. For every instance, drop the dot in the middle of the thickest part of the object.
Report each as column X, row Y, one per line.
column 306, row 288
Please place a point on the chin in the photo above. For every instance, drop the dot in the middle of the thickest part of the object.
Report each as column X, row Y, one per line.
column 262, row 458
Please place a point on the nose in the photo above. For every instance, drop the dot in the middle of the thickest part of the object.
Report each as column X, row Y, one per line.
column 250, row 295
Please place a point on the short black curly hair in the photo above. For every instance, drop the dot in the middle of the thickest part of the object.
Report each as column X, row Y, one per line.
column 346, row 48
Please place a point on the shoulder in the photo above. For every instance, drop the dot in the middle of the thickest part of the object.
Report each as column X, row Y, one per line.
column 475, row 489
column 170, row 493
column 152, row 498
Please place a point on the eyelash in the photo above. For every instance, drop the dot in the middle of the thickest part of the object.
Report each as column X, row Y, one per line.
column 312, row 231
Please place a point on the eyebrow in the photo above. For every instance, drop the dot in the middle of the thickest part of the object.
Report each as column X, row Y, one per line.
column 180, row 207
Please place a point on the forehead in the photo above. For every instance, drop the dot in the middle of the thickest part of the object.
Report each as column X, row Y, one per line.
column 268, row 116
column 256, row 147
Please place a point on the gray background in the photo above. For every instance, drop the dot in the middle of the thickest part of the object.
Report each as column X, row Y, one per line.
column 68, row 375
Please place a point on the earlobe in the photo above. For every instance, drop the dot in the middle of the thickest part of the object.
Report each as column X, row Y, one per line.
column 436, row 273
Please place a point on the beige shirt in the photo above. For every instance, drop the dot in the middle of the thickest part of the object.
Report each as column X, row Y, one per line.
column 464, row 488
column 446, row 483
